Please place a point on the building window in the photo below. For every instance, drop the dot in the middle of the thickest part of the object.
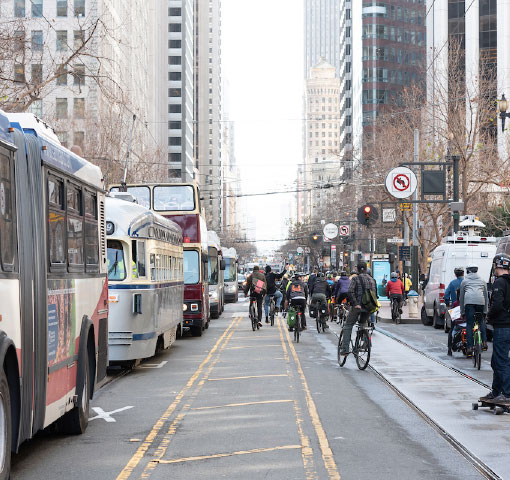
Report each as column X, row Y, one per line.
column 79, row 8
column 37, row 40
column 174, row 27
column 37, row 8
column 174, row 157
column 37, row 74
column 174, row 92
column 174, row 108
column 174, row 125
column 61, row 40
column 19, row 8
column 174, row 44
column 61, row 108
column 174, row 76
column 79, row 39
column 174, row 12
column 174, row 60
column 79, row 139
column 37, row 108
column 64, row 138
column 19, row 73
column 79, row 75
column 174, row 141
column 61, row 75
column 79, row 108
column 61, row 8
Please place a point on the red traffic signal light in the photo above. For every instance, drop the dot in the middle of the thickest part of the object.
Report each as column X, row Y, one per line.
column 367, row 215
column 367, row 209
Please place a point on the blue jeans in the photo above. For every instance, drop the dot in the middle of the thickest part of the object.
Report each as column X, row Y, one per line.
column 277, row 295
column 500, row 362
column 470, row 311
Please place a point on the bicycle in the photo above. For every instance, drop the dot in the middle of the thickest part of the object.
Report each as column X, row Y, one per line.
column 396, row 316
column 253, row 315
column 297, row 327
column 272, row 309
column 477, row 341
column 360, row 348
column 320, row 319
column 331, row 309
column 341, row 312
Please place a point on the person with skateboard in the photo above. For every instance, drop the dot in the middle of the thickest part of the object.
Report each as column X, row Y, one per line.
column 499, row 318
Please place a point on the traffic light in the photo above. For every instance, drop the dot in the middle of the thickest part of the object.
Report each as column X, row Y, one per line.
column 315, row 238
column 367, row 215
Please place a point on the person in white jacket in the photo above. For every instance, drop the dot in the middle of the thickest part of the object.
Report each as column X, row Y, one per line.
column 473, row 299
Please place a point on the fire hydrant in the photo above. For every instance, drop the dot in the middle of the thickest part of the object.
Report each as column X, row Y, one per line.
column 412, row 298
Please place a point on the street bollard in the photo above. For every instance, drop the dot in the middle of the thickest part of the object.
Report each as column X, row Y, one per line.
column 412, row 298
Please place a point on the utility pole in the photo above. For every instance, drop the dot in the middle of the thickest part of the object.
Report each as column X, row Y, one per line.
column 415, row 249
column 456, row 217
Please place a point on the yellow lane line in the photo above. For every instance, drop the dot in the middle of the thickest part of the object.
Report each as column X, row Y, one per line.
column 247, row 376
column 327, row 454
column 251, row 346
column 222, row 455
column 142, row 449
column 243, row 404
column 165, row 442
column 306, row 451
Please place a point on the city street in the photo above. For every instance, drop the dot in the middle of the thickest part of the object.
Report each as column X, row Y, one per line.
column 240, row 404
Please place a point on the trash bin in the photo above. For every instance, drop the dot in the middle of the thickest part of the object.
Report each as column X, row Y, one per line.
column 412, row 298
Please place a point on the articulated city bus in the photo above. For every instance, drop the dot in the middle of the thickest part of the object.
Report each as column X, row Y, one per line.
column 180, row 202
column 53, row 286
column 230, row 277
column 216, row 269
column 145, row 281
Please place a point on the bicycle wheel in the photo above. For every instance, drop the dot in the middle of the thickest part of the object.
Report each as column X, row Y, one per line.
column 341, row 358
column 297, row 327
column 272, row 319
column 253, row 318
column 362, row 349
column 477, row 350
column 318, row 323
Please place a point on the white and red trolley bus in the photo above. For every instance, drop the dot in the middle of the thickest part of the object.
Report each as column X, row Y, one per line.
column 180, row 202
column 53, row 286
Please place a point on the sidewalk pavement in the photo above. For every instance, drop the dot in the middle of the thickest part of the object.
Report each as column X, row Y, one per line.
column 385, row 312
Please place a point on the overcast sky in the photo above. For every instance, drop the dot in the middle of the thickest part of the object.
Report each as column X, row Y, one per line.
column 262, row 56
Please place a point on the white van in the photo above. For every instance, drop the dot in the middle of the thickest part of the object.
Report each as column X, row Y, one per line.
column 460, row 250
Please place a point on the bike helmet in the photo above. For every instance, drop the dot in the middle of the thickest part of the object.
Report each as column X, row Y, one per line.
column 459, row 271
column 362, row 267
column 394, row 275
column 472, row 268
column 320, row 274
column 297, row 276
column 502, row 261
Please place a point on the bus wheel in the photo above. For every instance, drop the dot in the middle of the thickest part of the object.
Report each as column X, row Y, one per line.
column 5, row 428
column 76, row 420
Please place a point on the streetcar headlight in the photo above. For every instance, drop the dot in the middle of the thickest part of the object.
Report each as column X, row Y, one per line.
column 113, row 298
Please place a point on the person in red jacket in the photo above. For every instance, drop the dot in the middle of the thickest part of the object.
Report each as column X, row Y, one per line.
column 395, row 289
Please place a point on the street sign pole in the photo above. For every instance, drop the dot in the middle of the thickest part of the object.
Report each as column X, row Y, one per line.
column 415, row 250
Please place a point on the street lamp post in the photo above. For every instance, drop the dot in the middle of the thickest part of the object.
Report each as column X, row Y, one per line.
column 503, row 107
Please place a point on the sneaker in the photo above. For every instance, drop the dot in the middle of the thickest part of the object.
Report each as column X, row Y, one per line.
column 267, row 321
column 291, row 329
column 400, row 311
column 276, row 309
column 469, row 353
column 484, row 346
column 501, row 399
column 489, row 397
column 304, row 328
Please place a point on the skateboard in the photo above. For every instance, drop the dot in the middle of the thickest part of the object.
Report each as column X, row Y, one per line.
column 497, row 408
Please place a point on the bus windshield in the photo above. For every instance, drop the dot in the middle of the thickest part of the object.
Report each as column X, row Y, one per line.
column 116, row 264
column 191, row 267
column 142, row 194
column 178, row 198
column 230, row 269
column 213, row 266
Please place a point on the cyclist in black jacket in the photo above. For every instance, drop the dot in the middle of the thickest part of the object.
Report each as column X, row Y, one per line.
column 271, row 278
column 320, row 291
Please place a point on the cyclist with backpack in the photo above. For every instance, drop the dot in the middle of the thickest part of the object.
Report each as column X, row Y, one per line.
column 297, row 294
column 362, row 296
column 257, row 286
column 395, row 289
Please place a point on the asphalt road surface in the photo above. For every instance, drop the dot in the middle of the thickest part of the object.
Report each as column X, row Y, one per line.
column 239, row 404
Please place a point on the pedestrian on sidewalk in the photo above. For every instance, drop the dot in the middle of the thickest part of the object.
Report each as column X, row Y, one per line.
column 473, row 299
column 499, row 318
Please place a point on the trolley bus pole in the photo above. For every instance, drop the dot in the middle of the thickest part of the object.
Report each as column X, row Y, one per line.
column 123, row 187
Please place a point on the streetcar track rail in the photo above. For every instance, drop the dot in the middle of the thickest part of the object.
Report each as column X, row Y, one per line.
column 478, row 464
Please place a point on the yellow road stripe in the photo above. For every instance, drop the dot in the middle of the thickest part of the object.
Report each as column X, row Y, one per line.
column 306, row 451
column 250, row 346
column 222, row 455
column 165, row 442
column 247, row 376
column 142, row 449
column 327, row 454
column 243, row 404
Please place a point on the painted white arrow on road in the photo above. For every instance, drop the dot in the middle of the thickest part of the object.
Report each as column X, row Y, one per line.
column 107, row 416
column 155, row 365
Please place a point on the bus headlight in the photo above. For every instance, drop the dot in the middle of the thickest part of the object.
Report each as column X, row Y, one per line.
column 184, row 307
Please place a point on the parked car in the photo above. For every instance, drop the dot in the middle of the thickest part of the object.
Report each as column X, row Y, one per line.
column 456, row 251
column 241, row 280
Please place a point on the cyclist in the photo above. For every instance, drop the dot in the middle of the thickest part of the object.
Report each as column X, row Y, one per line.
column 312, row 277
column 257, row 286
column 499, row 318
column 297, row 295
column 395, row 289
column 271, row 278
column 359, row 284
column 320, row 291
column 473, row 299
column 450, row 296
column 341, row 287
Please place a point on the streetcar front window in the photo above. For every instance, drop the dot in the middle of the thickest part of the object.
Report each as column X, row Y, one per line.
column 116, row 263
column 179, row 198
column 142, row 195
column 191, row 267
column 230, row 269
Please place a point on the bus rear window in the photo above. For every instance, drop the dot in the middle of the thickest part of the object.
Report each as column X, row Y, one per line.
column 179, row 198
column 191, row 267
column 116, row 263
column 230, row 269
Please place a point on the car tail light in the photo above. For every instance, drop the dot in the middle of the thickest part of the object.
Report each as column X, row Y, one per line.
column 441, row 292
column 194, row 307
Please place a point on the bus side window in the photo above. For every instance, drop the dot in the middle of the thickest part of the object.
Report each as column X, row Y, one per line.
column 7, row 218
column 75, row 237
column 91, row 233
column 56, row 224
